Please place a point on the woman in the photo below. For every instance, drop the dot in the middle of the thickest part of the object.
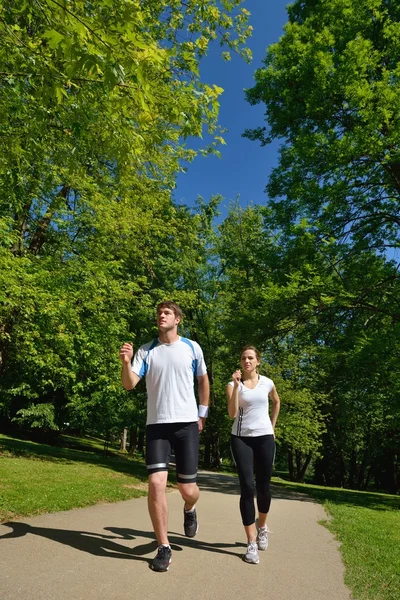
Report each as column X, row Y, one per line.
column 253, row 445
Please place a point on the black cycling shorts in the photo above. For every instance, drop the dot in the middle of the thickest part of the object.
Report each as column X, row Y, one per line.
column 182, row 439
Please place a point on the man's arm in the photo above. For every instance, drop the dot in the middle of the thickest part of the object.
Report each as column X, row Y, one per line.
column 129, row 378
column 204, row 396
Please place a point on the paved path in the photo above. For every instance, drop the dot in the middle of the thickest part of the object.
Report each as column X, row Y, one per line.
column 104, row 552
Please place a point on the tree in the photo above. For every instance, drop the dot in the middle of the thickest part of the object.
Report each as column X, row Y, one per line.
column 331, row 90
column 262, row 297
column 330, row 87
column 95, row 104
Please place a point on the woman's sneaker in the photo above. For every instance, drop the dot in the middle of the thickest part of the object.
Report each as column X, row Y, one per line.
column 251, row 555
column 262, row 536
column 162, row 560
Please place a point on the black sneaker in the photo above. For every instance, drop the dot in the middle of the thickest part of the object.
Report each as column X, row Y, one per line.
column 190, row 523
column 162, row 560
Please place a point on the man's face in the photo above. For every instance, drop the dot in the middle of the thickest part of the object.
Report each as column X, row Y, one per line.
column 166, row 319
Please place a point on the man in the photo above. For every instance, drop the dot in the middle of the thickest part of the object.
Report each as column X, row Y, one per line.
column 169, row 364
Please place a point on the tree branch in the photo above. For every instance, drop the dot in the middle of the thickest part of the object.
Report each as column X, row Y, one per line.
column 82, row 22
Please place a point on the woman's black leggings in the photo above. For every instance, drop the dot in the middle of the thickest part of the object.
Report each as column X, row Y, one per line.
column 253, row 455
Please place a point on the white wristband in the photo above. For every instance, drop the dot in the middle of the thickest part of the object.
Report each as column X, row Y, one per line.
column 203, row 411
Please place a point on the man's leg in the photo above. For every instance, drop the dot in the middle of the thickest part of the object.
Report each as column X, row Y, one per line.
column 186, row 445
column 158, row 507
column 190, row 493
column 158, row 449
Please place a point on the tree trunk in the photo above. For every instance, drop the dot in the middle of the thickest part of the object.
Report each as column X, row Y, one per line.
column 298, row 464
column 140, row 444
column 352, row 469
column 39, row 235
column 304, row 468
column 216, row 460
column 132, row 440
column 207, row 453
column 124, row 435
column 106, row 443
column 362, row 477
column 291, row 466
column 368, row 477
column 396, row 482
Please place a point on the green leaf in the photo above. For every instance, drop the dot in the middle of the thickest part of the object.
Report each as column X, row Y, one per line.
column 54, row 38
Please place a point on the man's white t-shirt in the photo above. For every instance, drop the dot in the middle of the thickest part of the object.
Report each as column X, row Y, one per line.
column 253, row 417
column 169, row 370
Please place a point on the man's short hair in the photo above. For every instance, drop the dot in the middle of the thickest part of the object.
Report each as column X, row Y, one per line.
column 172, row 306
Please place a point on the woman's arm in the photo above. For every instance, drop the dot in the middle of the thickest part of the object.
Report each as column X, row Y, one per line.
column 233, row 401
column 276, row 405
column 232, row 393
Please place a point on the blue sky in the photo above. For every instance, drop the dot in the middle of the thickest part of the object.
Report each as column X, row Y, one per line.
column 245, row 166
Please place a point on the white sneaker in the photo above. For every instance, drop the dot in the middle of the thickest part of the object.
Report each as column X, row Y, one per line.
column 251, row 555
column 262, row 536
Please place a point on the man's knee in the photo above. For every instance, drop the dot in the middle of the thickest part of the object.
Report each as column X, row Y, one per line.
column 158, row 482
column 189, row 491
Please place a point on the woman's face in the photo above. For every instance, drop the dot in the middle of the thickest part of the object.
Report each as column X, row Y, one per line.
column 249, row 361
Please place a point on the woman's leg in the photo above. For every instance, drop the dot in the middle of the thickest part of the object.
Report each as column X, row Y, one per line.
column 243, row 455
column 264, row 453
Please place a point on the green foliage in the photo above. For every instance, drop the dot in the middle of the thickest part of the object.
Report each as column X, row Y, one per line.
column 95, row 102
column 301, row 419
column 40, row 416
column 331, row 91
column 259, row 286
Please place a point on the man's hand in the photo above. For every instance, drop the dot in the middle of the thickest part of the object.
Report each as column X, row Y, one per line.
column 126, row 353
column 202, row 422
column 129, row 378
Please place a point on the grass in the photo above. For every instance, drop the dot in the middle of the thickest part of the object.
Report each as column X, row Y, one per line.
column 37, row 478
column 367, row 524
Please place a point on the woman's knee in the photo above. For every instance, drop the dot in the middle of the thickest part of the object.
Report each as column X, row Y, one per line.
column 247, row 486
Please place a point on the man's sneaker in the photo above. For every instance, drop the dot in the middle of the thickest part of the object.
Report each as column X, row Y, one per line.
column 262, row 536
column 162, row 560
column 190, row 523
column 251, row 555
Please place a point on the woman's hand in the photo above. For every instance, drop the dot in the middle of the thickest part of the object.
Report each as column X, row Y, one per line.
column 236, row 377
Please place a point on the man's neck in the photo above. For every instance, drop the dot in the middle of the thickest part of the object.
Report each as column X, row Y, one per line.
column 168, row 337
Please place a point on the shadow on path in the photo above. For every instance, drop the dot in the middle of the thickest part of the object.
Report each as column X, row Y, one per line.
column 339, row 496
column 229, row 484
column 218, row 482
column 104, row 545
